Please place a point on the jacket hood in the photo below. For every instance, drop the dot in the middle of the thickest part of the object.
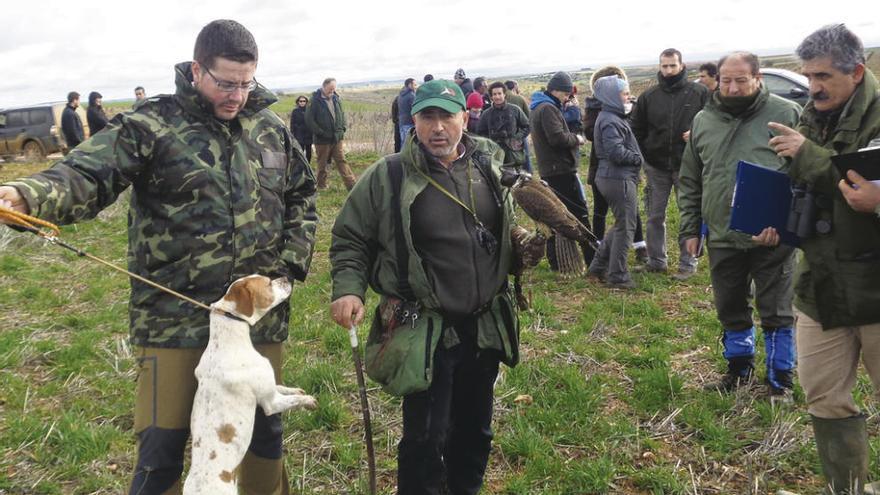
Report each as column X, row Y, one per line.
column 608, row 93
column 539, row 97
column 258, row 99
column 405, row 91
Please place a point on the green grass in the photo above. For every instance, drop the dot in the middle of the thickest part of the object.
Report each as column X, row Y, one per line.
column 608, row 397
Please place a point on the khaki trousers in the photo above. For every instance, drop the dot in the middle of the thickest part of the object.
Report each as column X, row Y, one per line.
column 326, row 152
column 828, row 362
column 166, row 386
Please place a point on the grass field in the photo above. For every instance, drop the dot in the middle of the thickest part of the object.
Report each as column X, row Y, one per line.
column 614, row 379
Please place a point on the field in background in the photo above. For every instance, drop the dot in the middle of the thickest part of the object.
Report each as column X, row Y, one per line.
column 608, row 397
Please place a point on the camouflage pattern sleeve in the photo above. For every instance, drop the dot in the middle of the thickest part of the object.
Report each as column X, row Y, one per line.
column 300, row 215
column 90, row 177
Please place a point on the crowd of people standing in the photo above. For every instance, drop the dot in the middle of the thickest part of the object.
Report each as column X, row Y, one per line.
column 430, row 230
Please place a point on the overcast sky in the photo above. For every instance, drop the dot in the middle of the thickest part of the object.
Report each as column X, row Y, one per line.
column 48, row 48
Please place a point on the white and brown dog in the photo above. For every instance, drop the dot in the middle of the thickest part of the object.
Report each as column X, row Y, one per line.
column 233, row 379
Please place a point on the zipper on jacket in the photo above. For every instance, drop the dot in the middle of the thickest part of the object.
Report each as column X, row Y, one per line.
column 228, row 166
column 428, row 339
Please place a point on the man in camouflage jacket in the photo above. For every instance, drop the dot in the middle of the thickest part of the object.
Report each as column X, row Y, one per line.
column 220, row 190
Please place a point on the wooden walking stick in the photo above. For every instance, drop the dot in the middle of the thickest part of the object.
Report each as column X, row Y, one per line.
column 365, row 407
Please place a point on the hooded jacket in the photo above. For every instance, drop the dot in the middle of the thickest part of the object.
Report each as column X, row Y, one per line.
column 718, row 142
column 616, row 147
column 838, row 278
column 298, row 126
column 661, row 115
column 555, row 146
column 327, row 128
column 211, row 201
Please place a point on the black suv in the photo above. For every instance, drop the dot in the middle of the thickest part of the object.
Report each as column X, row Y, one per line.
column 34, row 131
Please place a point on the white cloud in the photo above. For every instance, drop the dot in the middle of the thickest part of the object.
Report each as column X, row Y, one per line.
column 112, row 47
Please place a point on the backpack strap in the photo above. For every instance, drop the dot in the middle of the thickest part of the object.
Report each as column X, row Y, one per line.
column 395, row 174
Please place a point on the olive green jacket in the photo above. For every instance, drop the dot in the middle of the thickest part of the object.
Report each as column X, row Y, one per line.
column 363, row 246
column 838, row 278
column 210, row 202
column 708, row 167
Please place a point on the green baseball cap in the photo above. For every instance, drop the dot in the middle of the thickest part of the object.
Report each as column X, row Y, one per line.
column 440, row 93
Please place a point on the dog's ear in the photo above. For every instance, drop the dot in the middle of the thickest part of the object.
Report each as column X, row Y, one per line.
column 240, row 294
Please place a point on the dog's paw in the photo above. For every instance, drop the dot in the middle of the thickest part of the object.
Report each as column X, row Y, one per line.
column 289, row 390
column 309, row 402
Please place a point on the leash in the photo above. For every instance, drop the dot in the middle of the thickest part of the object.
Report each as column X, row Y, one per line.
column 365, row 407
column 50, row 232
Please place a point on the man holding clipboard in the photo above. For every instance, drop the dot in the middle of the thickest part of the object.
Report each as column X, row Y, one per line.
column 837, row 289
column 733, row 127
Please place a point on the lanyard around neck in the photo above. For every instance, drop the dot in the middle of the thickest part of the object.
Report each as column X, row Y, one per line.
column 470, row 209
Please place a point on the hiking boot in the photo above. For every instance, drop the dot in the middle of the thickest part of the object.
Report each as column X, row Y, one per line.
column 648, row 268
column 728, row 383
column 624, row 285
column 596, row 276
column 683, row 274
column 739, row 372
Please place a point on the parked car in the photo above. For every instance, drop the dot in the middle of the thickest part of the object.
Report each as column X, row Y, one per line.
column 34, row 131
column 787, row 84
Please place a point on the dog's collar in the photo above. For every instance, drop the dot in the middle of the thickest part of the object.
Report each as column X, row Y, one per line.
column 230, row 315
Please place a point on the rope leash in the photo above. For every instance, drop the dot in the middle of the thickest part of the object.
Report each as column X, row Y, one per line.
column 51, row 233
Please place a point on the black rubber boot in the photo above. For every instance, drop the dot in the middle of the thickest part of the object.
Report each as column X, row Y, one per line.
column 843, row 452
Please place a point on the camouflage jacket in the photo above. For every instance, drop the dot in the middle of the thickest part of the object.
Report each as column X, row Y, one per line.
column 211, row 201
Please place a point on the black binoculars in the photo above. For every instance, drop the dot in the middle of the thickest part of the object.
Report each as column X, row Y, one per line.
column 802, row 213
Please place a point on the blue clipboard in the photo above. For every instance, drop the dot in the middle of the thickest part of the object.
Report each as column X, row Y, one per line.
column 761, row 199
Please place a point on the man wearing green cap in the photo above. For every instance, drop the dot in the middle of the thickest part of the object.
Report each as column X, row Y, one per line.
column 428, row 229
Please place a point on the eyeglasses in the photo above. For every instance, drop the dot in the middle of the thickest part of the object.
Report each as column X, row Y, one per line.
column 229, row 87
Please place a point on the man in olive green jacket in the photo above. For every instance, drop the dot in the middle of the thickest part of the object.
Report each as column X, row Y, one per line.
column 837, row 289
column 733, row 127
column 442, row 251
column 220, row 190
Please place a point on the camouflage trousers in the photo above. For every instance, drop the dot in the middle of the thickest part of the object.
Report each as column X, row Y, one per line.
column 166, row 386
column 327, row 152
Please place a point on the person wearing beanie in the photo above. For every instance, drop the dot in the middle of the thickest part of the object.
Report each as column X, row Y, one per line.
column 661, row 120
column 95, row 115
column 439, row 246
column 620, row 162
column 460, row 78
column 556, row 150
column 474, row 110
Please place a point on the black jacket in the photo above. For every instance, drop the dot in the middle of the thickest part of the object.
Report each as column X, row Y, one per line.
column 556, row 148
column 298, row 127
column 661, row 115
column 96, row 118
column 72, row 127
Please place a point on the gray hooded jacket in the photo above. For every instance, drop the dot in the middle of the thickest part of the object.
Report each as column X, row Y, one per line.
column 616, row 145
